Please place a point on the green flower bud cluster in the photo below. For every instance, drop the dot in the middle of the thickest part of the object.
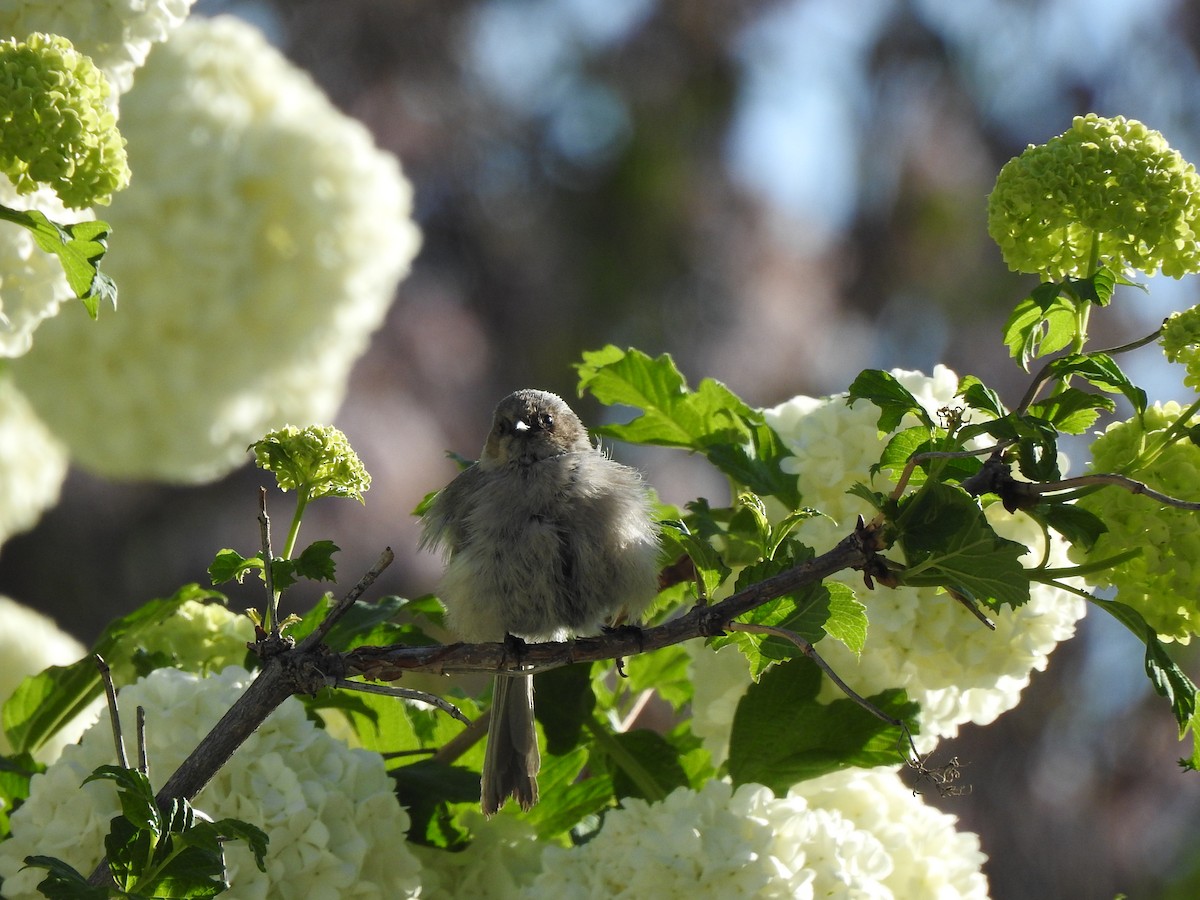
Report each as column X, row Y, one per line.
column 1108, row 193
column 56, row 127
column 317, row 460
column 1180, row 341
column 1163, row 582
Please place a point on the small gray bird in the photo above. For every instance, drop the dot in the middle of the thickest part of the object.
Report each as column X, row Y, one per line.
column 545, row 537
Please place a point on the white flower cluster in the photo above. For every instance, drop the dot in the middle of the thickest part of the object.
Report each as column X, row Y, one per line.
column 718, row 842
column 116, row 34
column 33, row 464
column 29, row 643
column 261, row 242
column 859, row 833
column 930, row 858
column 919, row 638
column 336, row 829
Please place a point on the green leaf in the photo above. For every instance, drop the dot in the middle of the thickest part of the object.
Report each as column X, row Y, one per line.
column 672, row 415
column 564, row 702
column 363, row 624
column 893, row 399
column 79, row 248
column 948, row 542
column 710, row 419
column 847, row 620
column 315, row 562
column 1071, row 410
column 427, row 790
column 781, row 735
column 1168, row 679
column 657, row 760
column 1043, row 323
column 44, row 703
column 710, row 569
column 136, row 795
column 565, row 797
column 229, row 565
column 978, row 395
column 62, row 882
column 1079, row 526
column 1101, row 370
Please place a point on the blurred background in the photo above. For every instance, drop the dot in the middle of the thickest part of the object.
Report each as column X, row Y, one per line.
column 779, row 194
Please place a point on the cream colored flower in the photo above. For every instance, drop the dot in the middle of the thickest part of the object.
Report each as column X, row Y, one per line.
column 33, row 464
column 335, row 826
column 919, row 638
column 930, row 858
column 116, row 34
column 260, row 244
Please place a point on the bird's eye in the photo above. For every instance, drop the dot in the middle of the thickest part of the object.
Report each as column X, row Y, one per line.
column 546, row 421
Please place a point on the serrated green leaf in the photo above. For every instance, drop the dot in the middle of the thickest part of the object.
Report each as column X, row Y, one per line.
column 894, row 400
column 565, row 797
column 710, row 419
column 948, row 542
column 978, row 395
column 1072, row 411
column 363, row 624
column 710, row 568
column 781, row 735
column 136, row 796
column 316, row 563
column 1043, row 323
column 79, row 248
column 62, row 882
column 847, row 619
column 1101, row 370
column 1164, row 673
column 229, row 565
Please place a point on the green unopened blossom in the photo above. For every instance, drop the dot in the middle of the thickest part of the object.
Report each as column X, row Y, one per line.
column 56, row 127
column 317, row 461
column 1107, row 193
column 1163, row 581
column 1181, row 343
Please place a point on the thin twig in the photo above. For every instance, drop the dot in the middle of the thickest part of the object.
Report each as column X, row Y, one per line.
column 343, row 605
column 264, row 528
column 1123, row 481
column 111, row 693
column 811, row 652
column 1044, row 373
column 404, row 694
column 143, row 759
column 918, row 458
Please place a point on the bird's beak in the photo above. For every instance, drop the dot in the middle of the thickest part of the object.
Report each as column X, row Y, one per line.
column 521, row 426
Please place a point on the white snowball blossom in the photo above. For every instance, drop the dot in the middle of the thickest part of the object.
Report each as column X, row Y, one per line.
column 336, row 829
column 116, row 34
column 33, row 464
column 256, row 249
column 918, row 638
column 29, row 643
column 718, row 842
column 930, row 858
